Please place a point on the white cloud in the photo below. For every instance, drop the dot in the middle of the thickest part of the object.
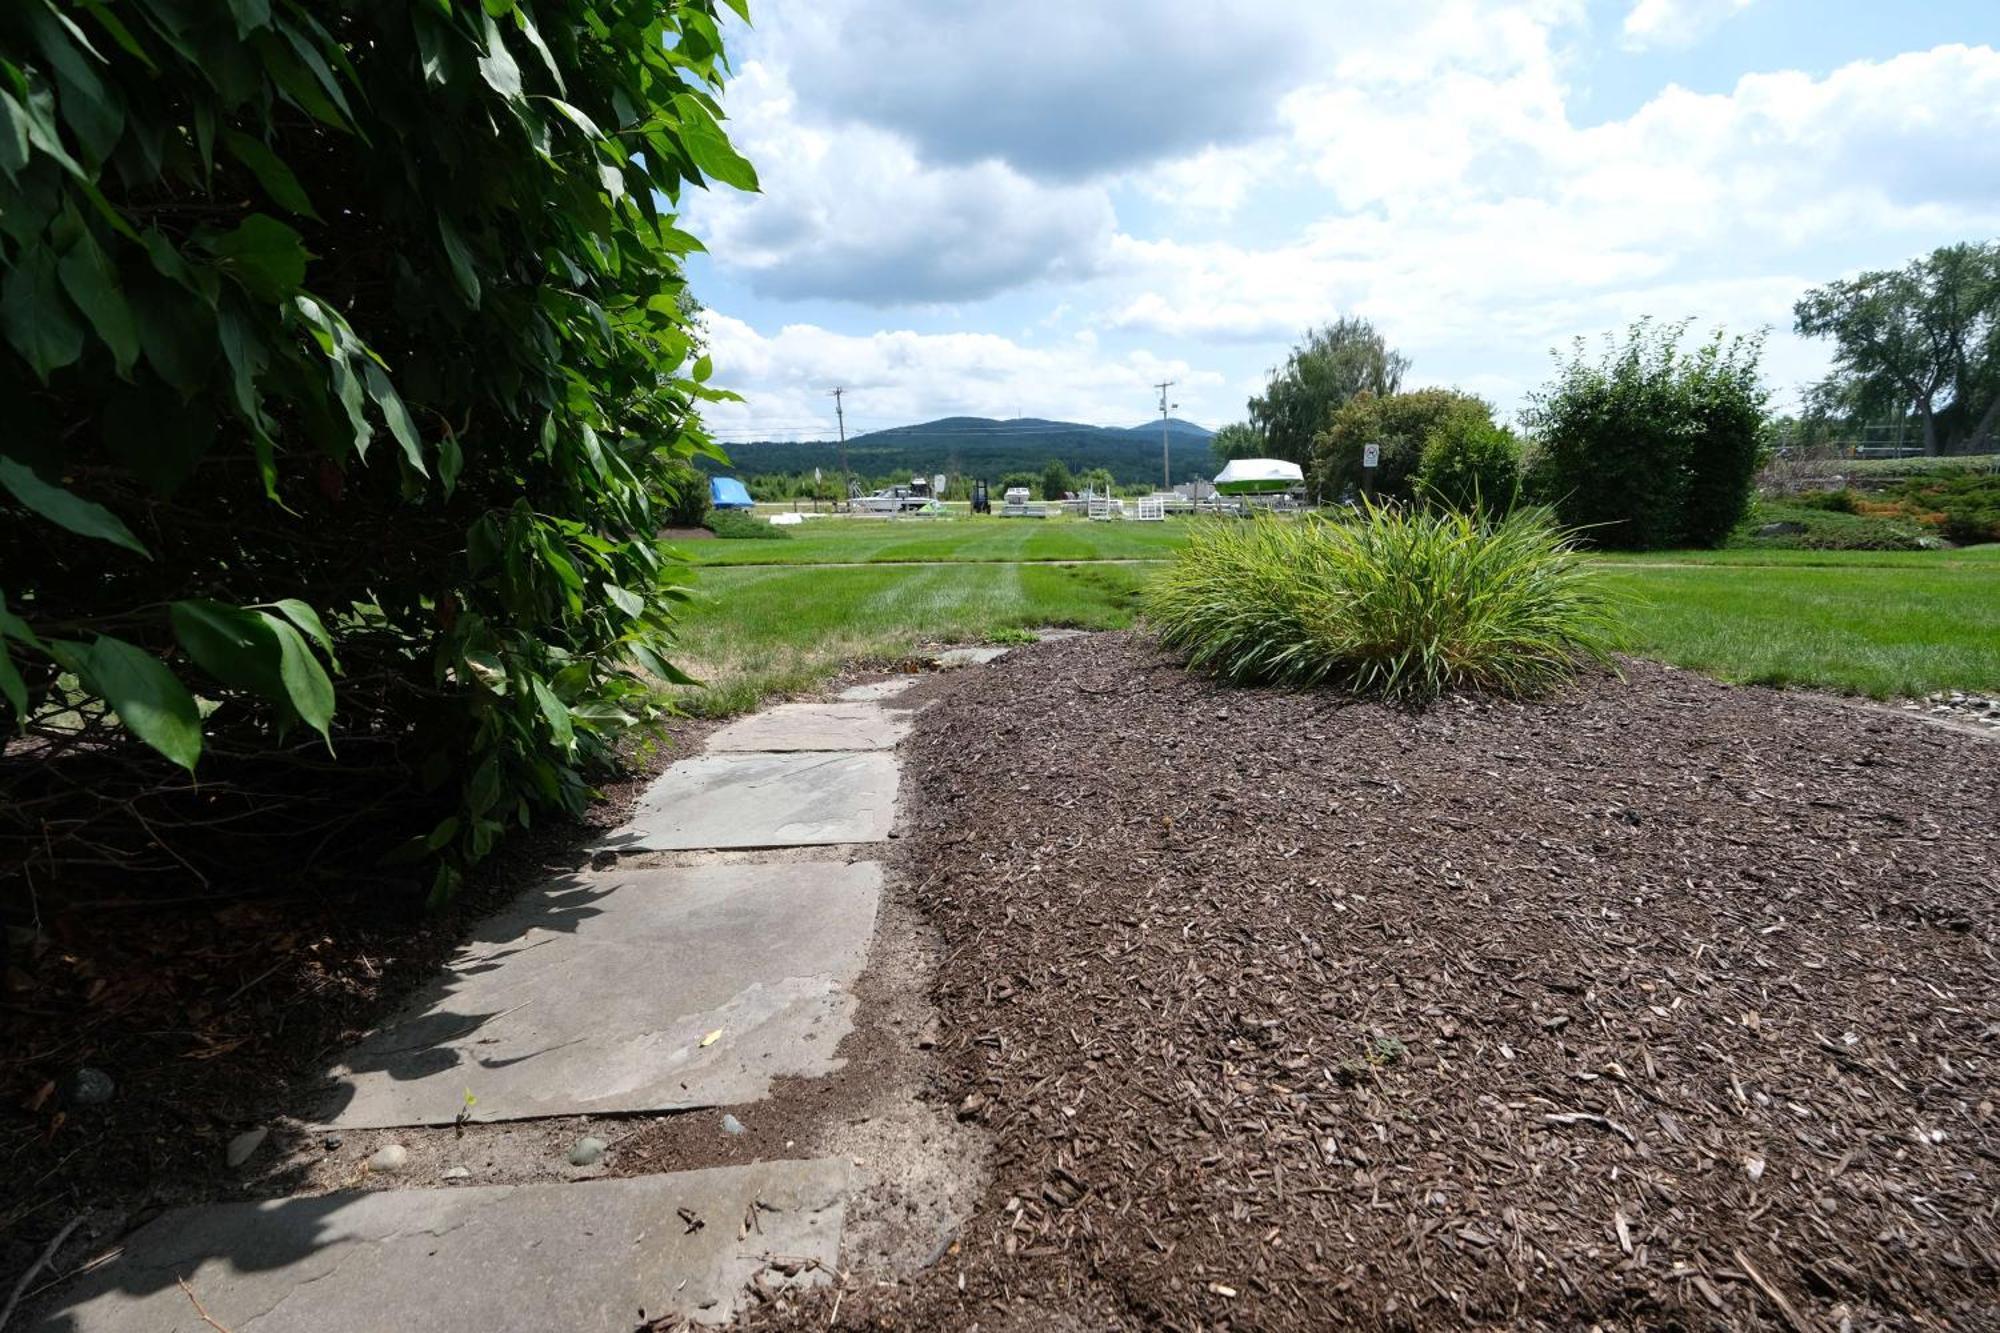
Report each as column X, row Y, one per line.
column 1654, row 23
column 852, row 214
column 1057, row 90
column 1421, row 164
column 1520, row 225
column 899, row 376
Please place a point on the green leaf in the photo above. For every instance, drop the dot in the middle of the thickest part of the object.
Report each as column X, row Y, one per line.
column 13, row 137
column 58, row 506
column 149, row 700
column 497, row 65
column 12, row 687
column 575, row 117
column 230, row 643
column 659, row 666
column 708, row 146
column 36, row 318
column 310, row 692
column 631, row 603
column 552, row 709
column 270, row 171
column 91, row 281
column 265, row 255
column 451, row 460
column 526, row 24
column 461, row 261
column 119, row 32
column 308, row 620
column 250, row 15
column 446, row 830
column 391, row 404
column 15, row 628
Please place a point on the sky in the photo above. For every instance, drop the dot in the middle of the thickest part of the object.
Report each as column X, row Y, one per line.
column 1045, row 207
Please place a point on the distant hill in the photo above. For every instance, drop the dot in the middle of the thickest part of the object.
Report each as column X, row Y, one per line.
column 985, row 447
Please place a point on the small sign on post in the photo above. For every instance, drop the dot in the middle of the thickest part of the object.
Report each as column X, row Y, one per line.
column 1371, row 458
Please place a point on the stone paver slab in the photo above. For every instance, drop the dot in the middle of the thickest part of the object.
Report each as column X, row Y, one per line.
column 763, row 800
column 964, row 657
column 594, row 994
column 834, row 726
column 585, row 1258
column 877, row 690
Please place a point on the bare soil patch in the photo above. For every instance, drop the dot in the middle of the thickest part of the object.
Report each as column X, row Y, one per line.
column 1661, row 1004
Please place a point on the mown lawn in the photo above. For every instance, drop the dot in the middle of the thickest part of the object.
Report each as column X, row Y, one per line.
column 824, row 541
column 1876, row 627
column 792, row 613
column 757, row 632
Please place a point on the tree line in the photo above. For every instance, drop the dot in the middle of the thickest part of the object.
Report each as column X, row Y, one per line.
column 1654, row 441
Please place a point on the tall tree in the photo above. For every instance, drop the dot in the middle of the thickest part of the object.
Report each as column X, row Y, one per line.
column 1056, row 481
column 1923, row 339
column 1239, row 439
column 1332, row 365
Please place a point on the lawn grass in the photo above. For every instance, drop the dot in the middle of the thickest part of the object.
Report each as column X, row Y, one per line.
column 824, row 541
column 759, row 632
column 1973, row 557
column 1876, row 627
column 790, row 614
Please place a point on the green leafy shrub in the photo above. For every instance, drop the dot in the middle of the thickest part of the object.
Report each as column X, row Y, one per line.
column 739, row 526
column 1964, row 507
column 1396, row 602
column 1801, row 527
column 687, row 497
column 1650, row 448
column 1470, row 464
column 1842, row 501
column 346, row 364
column 1400, row 423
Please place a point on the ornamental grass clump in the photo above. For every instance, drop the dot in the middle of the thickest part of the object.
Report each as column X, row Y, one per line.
column 1403, row 604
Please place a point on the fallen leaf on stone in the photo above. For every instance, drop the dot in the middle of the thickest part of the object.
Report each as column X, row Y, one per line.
column 712, row 1037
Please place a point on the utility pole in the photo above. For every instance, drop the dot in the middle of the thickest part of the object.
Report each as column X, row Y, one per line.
column 1166, row 462
column 840, row 415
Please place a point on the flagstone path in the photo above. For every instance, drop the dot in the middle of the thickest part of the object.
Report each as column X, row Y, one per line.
column 638, row 988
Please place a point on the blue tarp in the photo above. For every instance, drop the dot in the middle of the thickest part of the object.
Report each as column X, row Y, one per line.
column 728, row 493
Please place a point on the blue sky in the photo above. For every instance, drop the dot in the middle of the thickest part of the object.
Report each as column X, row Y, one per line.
column 1042, row 207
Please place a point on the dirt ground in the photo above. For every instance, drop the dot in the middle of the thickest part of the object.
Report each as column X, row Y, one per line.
column 1661, row 1004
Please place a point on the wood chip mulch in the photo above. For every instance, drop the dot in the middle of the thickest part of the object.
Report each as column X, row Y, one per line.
column 1660, row 1004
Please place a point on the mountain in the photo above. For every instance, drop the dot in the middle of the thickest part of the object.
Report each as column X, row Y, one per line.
column 989, row 448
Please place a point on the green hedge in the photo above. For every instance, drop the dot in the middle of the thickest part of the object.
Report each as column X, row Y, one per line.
column 344, row 355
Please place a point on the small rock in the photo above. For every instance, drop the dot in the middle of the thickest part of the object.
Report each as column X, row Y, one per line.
column 389, row 1160
column 331, row 1142
column 89, row 1087
column 973, row 1104
column 458, row 1173
column 244, row 1144
column 587, row 1151
column 731, row 1125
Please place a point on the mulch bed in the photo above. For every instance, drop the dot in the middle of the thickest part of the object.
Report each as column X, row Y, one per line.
column 1659, row 1004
